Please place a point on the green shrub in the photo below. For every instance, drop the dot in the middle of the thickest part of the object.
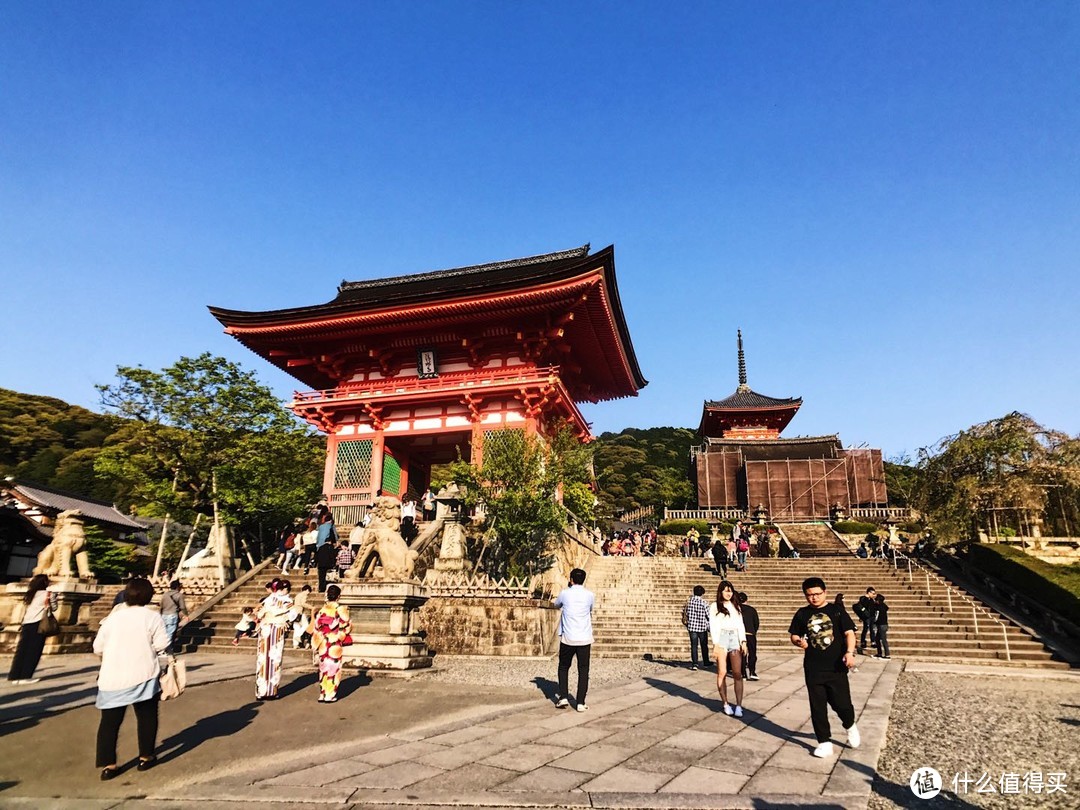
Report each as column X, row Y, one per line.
column 1007, row 531
column 914, row 527
column 854, row 527
column 1056, row 586
column 683, row 526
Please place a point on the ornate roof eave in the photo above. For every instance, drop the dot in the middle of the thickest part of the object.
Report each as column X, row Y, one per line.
column 487, row 286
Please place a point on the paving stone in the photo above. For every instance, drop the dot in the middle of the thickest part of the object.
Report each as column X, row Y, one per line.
column 392, row 776
column 463, row 754
column 515, row 736
column 625, row 779
column 770, row 781
column 664, row 759
column 578, row 736
column 547, row 778
column 400, row 753
column 702, row 741
column 527, row 757
column 462, row 735
column 636, row 739
column 322, row 774
column 793, row 756
column 736, row 759
column 595, row 758
column 706, row 780
column 474, row 776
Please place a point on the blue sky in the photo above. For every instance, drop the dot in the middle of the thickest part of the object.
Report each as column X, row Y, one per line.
column 885, row 197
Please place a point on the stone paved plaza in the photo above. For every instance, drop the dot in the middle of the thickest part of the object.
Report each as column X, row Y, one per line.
column 482, row 732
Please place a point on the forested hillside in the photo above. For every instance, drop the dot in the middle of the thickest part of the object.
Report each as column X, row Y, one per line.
column 46, row 440
column 644, row 467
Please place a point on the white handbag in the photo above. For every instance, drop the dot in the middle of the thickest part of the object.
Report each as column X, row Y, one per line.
column 173, row 678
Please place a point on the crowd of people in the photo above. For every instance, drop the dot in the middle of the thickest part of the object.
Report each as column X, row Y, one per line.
column 632, row 543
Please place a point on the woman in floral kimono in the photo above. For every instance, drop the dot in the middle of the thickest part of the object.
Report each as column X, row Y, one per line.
column 330, row 636
column 275, row 615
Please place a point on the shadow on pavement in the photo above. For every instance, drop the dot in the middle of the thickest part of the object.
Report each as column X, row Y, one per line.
column 547, row 687
column 222, row 724
column 752, row 718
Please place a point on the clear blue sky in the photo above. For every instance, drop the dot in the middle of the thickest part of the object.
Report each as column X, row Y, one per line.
column 885, row 197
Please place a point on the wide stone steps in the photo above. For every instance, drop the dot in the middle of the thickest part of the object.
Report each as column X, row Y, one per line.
column 814, row 540
column 639, row 602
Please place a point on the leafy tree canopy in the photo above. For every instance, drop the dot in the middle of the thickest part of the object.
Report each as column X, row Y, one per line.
column 517, row 484
column 202, row 417
column 1003, row 472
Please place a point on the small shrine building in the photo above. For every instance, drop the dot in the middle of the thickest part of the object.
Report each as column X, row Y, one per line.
column 743, row 462
column 411, row 371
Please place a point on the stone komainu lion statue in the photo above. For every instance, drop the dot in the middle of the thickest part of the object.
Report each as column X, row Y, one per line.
column 68, row 540
column 382, row 539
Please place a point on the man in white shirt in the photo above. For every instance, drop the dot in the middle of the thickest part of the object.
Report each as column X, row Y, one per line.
column 576, row 637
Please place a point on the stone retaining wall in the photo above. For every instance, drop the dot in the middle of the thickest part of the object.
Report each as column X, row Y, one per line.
column 490, row 626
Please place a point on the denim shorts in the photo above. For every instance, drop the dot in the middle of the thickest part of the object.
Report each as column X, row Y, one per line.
column 727, row 640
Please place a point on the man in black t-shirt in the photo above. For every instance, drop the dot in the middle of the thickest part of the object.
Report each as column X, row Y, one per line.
column 827, row 635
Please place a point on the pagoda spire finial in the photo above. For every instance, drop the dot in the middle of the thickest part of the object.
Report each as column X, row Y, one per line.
column 742, row 365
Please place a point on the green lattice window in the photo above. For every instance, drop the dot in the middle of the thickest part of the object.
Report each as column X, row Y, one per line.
column 352, row 468
column 391, row 475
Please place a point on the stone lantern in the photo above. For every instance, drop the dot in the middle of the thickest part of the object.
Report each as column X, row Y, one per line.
column 451, row 500
column 760, row 514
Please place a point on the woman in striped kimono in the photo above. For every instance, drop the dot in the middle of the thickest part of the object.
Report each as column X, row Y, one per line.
column 331, row 628
column 276, row 614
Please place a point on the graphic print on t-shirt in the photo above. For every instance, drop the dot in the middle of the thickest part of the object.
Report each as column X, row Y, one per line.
column 819, row 631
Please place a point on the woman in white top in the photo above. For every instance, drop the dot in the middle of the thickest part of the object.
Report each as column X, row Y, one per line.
column 729, row 643
column 129, row 642
column 31, row 642
column 275, row 614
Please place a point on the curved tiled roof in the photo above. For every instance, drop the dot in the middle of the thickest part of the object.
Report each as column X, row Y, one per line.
column 60, row 501
column 745, row 398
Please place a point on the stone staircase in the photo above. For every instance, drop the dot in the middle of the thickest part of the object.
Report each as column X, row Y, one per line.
column 639, row 604
column 814, row 540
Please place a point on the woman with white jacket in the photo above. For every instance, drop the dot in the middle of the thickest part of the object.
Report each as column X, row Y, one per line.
column 729, row 643
column 129, row 642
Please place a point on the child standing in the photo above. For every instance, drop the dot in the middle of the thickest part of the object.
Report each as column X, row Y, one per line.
column 246, row 625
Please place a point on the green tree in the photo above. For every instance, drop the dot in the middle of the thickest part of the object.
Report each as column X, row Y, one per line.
column 109, row 560
column 993, row 475
column 204, row 417
column 517, row 484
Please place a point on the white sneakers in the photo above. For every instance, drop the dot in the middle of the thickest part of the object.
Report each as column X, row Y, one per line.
column 728, row 710
column 562, row 703
column 854, row 738
column 582, row 707
column 738, row 711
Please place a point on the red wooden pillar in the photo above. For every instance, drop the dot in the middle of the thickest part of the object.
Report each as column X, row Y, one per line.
column 378, row 448
column 476, row 445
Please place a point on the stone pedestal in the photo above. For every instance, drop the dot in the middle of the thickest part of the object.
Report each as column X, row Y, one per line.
column 452, row 549
column 385, row 630
column 73, row 596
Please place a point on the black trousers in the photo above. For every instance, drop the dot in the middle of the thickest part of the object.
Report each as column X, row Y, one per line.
column 699, row 638
column 868, row 627
column 27, row 653
column 146, row 716
column 829, row 689
column 567, row 653
column 750, row 659
column 322, row 579
column 882, row 639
